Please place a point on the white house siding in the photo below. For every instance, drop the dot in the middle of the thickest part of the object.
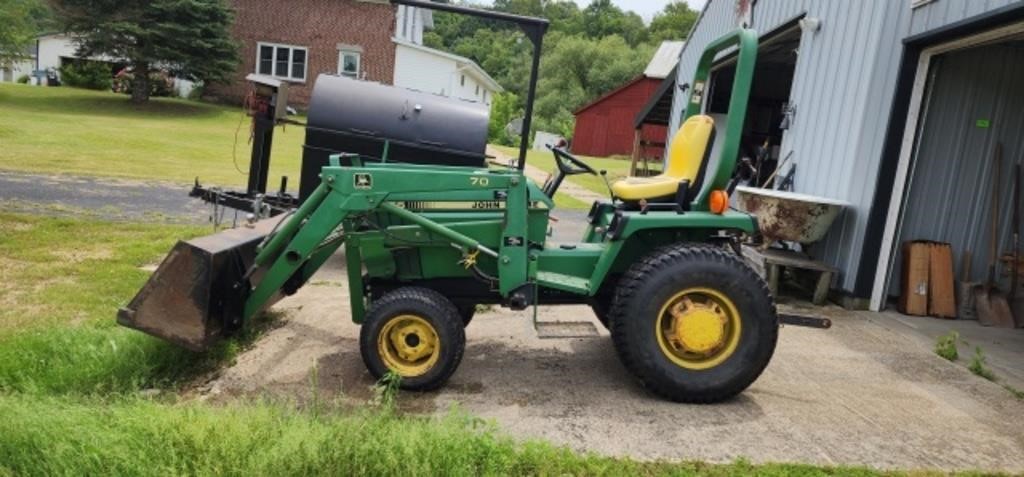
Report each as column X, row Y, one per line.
column 18, row 69
column 843, row 90
column 431, row 73
column 52, row 48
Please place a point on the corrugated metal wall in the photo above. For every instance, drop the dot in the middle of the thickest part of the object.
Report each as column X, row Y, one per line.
column 843, row 90
column 943, row 12
column 949, row 197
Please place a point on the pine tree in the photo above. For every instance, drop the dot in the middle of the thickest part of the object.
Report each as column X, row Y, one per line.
column 188, row 38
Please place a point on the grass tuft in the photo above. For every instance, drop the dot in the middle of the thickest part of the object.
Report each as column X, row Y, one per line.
column 979, row 367
column 945, row 346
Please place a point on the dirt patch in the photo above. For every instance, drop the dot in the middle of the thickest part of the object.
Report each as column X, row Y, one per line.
column 81, row 255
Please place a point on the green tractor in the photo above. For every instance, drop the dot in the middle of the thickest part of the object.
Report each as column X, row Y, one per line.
column 658, row 263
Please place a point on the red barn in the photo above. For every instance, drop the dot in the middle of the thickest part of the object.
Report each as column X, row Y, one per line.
column 605, row 126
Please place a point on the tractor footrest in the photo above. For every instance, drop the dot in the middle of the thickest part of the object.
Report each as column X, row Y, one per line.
column 566, row 329
column 560, row 281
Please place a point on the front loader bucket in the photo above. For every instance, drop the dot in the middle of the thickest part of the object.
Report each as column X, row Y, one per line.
column 192, row 299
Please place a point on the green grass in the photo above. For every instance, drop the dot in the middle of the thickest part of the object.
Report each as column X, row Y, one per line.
column 73, row 131
column 979, row 367
column 945, row 346
column 61, row 436
column 61, row 282
column 617, row 168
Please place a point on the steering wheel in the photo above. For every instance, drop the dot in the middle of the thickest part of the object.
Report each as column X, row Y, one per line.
column 567, row 166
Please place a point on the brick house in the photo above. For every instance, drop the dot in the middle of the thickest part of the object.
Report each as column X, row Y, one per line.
column 300, row 39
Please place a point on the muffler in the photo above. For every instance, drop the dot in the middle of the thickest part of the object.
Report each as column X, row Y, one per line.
column 197, row 294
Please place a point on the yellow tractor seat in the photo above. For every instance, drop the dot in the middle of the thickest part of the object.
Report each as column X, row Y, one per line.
column 687, row 158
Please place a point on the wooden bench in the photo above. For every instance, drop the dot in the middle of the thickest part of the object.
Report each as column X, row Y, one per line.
column 770, row 263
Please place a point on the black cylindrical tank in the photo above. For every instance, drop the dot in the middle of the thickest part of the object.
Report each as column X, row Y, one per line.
column 347, row 115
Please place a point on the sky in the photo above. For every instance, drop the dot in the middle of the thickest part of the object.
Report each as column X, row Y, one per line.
column 646, row 8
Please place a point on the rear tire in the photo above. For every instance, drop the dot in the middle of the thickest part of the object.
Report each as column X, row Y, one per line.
column 694, row 323
column 416, row 333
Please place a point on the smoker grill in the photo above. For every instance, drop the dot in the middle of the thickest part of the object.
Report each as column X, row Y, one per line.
column 380, row 121
column 357, row 117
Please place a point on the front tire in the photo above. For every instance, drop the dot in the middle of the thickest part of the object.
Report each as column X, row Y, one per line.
column 694, row 323
column 416, row 333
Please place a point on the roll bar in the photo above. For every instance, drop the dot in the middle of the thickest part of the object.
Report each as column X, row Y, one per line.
column 746, row 40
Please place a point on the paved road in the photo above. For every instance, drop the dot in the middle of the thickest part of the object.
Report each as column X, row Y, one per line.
column 104, row 198
column 112, row 199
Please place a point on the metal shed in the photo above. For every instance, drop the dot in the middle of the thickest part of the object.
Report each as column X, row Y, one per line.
column 859, row 81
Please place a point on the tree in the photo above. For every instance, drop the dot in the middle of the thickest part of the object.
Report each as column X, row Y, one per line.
column 602, row 18
column 20, row 21
column 674, row 22
column 578, row 70
column 187, row 38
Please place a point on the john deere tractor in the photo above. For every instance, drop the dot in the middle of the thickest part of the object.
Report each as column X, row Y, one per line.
column 657, row 262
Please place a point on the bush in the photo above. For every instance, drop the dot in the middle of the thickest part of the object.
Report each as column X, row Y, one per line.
column 87, row 74
column 23, row 79
column 161, row 84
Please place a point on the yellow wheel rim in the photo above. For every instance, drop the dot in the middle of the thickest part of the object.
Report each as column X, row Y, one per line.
column 698, row 328
column 408, row 345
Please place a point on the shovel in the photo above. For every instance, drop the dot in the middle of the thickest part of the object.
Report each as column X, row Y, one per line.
column 993, row 309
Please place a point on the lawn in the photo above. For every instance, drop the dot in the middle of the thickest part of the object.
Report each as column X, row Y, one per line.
column 80, row 395
column 74, row 131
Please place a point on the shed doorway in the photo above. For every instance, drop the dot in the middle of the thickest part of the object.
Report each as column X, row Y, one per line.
column 971, row 103
column 769, row 105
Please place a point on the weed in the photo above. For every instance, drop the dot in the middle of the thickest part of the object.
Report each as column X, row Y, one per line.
column 386, row 391
column 945, row 346
column 484, row 308
column 978, row 365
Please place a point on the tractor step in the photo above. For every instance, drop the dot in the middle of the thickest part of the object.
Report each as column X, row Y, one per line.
column 560, row 281
column 565, row 329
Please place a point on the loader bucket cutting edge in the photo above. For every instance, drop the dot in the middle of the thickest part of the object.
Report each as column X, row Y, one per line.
column 191, row 297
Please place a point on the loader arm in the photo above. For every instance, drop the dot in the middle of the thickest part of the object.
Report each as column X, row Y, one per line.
column 309, row 236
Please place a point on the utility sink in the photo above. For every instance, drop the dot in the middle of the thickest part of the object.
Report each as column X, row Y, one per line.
column 789, row 216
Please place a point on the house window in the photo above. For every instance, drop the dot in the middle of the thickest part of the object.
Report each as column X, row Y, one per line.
column 462, row 82
column 348, row 63
column 477, row 90
column 282, row 61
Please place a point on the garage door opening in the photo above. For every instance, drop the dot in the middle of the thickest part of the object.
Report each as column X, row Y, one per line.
column 968, row 104
column 766, row 121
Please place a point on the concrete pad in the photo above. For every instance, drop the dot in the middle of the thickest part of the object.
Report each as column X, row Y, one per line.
column 1003, row 349
column 862, row 393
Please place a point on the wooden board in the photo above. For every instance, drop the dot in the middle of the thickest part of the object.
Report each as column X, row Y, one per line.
column 914, row 287
column 941, row 291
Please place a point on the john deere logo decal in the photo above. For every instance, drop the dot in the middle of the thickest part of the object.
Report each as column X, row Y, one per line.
column 363, row 181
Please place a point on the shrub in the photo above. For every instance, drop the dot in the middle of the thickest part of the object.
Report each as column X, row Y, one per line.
column 161, row 84
column 23, row 79
column 87, row 74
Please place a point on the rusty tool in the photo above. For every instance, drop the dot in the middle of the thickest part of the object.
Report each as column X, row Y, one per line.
column 993, row 309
